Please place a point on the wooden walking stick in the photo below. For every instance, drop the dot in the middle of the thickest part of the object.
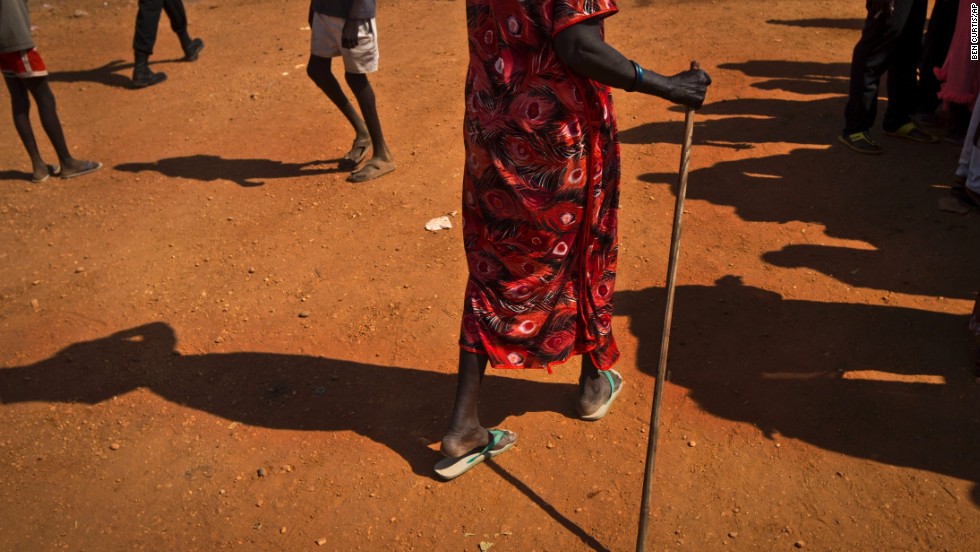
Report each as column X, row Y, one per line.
column 675, row 242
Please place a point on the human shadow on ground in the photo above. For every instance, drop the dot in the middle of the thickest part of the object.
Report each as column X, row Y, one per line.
column 897, row 239
column 743, row 122
column 393, row 406
column 799, row 77
column 884, row 206
column 108, row 74
column 861, row 380
column 848, row 24
column 16, row 175
column 244, row 172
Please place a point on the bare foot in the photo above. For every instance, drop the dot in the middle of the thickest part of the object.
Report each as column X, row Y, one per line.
column 594, row 393
column 458, row 443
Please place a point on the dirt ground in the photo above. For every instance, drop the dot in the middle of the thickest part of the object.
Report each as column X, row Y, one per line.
column 218, row 302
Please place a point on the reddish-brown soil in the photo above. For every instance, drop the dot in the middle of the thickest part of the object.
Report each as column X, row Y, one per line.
column 154, row 357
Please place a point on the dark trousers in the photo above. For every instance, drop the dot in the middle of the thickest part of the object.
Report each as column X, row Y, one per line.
column 888, row 43
column 935, row 46
column 148, row 19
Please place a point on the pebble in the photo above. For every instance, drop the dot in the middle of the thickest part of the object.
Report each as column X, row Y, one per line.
column 79, row 269
column 115, row 446
column 438, row 223
column 282, row 530
column 321, row 541
column 261, row 472
column 304, row 314
column 692, row 444
column 799, row 544
column 251, row 270
column 320, row 390
column 259, row 503
column 550, row 445
column 733, row 534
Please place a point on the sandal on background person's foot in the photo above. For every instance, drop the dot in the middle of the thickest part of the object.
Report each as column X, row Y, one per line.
column 51, row 171
column 860, row 142
column 86, row 167
column 910, row 131
column 614, row 391
column 500, row 442
column 358, row 151
column 374, row 168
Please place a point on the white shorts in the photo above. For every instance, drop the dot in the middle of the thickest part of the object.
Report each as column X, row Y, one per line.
column 325, row 42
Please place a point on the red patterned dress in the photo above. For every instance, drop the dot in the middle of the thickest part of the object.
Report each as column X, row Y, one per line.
column 540, row 190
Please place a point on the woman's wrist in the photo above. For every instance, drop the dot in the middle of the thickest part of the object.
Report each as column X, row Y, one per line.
column 637, row 77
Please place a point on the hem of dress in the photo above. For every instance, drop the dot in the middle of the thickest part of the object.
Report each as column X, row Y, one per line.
column 547, row 366
column 956, row 98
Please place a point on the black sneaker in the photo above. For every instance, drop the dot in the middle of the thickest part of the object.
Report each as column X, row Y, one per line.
column 192, row 49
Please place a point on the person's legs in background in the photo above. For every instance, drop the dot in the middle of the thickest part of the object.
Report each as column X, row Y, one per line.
column 178, row 24
column 382, row 161
column 48, row 113
column 20, row 103
column 903, row 64
column 935, row 46
column 144, row 37
column 873, row 55
column 319, row 70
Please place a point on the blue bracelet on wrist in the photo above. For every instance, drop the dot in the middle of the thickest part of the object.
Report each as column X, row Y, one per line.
column 639, row 77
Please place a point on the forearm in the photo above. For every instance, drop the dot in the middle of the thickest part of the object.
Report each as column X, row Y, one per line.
column 583, row 50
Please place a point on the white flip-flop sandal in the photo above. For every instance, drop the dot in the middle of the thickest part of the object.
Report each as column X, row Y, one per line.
column 451, row 468
column 598, row 414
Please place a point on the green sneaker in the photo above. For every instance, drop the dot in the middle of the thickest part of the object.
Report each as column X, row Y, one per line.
column 860, row 142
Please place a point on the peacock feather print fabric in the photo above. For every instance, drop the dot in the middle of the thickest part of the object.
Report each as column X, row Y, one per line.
column 540, row 190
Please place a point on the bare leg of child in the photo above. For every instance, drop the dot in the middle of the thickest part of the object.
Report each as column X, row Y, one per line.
column 318, row 69
column 48, row 113
column 382, row 161
column 20, row 102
